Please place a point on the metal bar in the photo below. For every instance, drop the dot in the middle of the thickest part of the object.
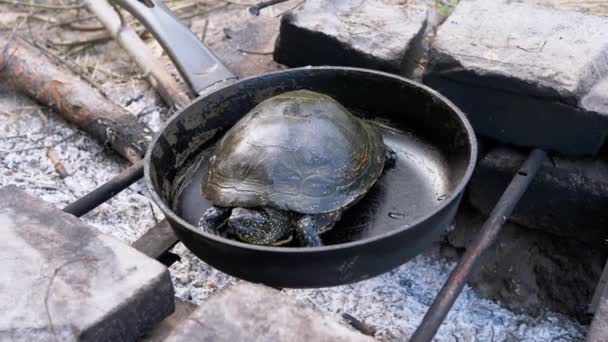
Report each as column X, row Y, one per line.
column 106, row 191
column 598, row 331
column 599, row 290
column 157, row 241
column 490, row 229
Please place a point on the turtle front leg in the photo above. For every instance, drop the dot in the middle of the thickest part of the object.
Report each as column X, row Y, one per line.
column 213, row 219
column 309, row 227
column 259, row 226
column 390, row 157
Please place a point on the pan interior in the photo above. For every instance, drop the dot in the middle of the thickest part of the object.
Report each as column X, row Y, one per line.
column 413, row 188
column 434, row 146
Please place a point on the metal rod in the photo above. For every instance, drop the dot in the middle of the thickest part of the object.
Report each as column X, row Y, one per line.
column 106, row 191
column 598, row 331
column 157, row 241
column 599, row 289
column 490, row 229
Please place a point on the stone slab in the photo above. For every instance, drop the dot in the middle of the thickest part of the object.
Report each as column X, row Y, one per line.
column 597, row 98
column 521, row 71
column 250, row 312
column 529, row 270
column 63, row 280
column 243, row 42
column 377, row 34
column 568, row 199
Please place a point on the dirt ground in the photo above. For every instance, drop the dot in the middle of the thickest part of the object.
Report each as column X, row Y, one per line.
column 393, row 303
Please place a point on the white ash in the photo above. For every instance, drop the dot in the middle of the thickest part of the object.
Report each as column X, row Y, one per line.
column 393, row 303
column 26, row 132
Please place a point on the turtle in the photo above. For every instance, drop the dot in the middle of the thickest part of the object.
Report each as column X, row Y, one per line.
column 294, row 163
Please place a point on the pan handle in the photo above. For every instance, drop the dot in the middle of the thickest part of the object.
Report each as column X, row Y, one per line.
column 197, row 65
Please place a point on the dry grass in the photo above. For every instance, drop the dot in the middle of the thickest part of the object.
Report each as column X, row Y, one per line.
column 595, row 7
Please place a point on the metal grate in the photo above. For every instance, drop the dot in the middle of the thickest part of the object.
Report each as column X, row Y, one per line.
column 158, row 240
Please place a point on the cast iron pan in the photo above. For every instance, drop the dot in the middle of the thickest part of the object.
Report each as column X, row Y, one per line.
column 408, row 208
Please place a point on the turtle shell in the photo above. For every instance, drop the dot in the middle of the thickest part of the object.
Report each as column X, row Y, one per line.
column 300, row 151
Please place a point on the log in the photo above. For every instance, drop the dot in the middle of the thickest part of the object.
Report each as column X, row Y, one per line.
column 129, row 40
column 27, row 69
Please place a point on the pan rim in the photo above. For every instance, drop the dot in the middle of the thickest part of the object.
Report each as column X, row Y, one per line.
column 455, row 194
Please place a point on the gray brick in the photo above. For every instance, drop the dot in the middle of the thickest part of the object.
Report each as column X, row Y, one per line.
column 373, row 34
column 63, row 280
column 520, row 72
column 597, row 98
column 249, row 312
column 568, row 199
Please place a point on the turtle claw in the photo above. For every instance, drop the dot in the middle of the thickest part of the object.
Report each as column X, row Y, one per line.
column 213, row 219
column 307, row 232
column 390, row 157
column 283, row 242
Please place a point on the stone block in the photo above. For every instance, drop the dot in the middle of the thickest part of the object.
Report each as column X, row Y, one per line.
column 250, row 312
column 568, row 199
column 521, row 73
column 597, row 98
column 62, row 280
column 243, row 42
column 376, row 34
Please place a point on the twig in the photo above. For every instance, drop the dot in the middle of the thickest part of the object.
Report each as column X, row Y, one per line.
column 82, row 27
column 71, row 21
column 291, row 9
column 42, row 6
column 4, row 58
column 359, row 325
column 255, row 10
column 204, row 34
column 129, row 40
column 96, row 39
column 263, row 53
column 204, row 13
column 153, row 213
column 61, row 141
column 231, row 2
column 57, row 164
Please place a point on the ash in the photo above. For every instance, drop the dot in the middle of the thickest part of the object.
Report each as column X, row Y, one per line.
column 393, row 304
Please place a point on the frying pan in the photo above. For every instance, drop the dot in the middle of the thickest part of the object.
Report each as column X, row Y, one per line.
column 408, row 208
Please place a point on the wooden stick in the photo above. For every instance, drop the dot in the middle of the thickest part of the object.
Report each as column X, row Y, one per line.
column 42, row 6
column 57, row 164
column 129, row 40
column 30, row 71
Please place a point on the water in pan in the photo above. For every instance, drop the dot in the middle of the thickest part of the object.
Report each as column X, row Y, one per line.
column 412, row 189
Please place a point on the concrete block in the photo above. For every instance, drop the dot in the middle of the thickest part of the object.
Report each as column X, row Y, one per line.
column 250, row 312
column 372, row 34
column 568, row 199
column 62, row 280
column 520, row 72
